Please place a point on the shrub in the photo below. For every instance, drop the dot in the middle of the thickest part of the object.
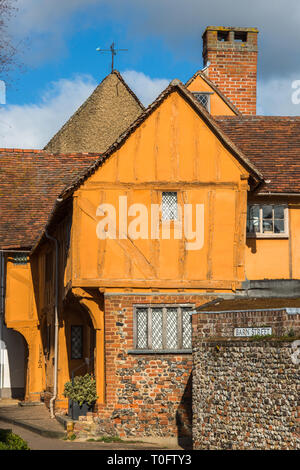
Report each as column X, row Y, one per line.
column 82, row 390
column 10, row 441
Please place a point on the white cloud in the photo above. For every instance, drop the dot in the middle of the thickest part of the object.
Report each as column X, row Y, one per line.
column 147, row 89
column 275, row 97
column 32, row 125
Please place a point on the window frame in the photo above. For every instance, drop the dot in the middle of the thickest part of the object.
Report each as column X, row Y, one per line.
column 208, row 93
column 164, row 307
column 261, row 234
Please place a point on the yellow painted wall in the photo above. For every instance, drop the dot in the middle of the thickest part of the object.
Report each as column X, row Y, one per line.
column 21, row 315
column 173, row 150
column 276, row 258
column 218, row 106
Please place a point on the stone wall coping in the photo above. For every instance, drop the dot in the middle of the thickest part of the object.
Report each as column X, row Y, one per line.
column 160, row 351
column 253, row 339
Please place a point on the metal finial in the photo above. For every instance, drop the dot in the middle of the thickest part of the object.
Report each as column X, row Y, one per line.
column 113, row 52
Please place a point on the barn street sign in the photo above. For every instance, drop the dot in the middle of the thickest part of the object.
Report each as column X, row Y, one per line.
column 260, row 331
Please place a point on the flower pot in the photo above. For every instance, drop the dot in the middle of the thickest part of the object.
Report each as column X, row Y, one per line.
column 75, row 410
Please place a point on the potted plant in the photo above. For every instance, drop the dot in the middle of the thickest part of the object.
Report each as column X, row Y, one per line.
column 81, row 392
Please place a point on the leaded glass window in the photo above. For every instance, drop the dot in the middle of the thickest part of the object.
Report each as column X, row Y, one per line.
column 203, row 99
column 169, row 205
column 76, row 342
column 164, row 328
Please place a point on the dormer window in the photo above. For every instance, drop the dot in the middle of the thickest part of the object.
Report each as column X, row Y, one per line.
column 204, row 99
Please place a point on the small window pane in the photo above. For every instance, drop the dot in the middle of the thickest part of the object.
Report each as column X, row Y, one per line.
column 279, row 226
column 253, row 212
column 278, row 212
column 203, row 99
column 169, row 206
column 267, row 212
column 76, row 342
column 157, row 327
column 186, row 329
column 142, row 328
column 253, row 219
column 267, row 226
column 171, row 329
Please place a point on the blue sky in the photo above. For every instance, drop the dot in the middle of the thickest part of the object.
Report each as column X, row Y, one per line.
column 58, row 41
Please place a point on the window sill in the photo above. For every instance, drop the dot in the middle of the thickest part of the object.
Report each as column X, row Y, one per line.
column 267, row 235
column 159, row 351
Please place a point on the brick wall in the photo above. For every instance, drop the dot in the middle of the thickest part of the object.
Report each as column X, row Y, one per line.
column 233, row 66
column 245, row 392
column 146, row 394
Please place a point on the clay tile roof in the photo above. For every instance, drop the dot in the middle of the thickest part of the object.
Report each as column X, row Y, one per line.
column 272, row 144
column 30, row 181
column 249, row 304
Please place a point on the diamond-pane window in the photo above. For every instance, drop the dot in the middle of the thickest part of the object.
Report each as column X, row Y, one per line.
column 204, row 99
column 157, row 328
column 20, row 258
column 142, row 329
column 166, row 328
column 76, row 342
column 169, row 206
column 186, row 329
column 172, row 329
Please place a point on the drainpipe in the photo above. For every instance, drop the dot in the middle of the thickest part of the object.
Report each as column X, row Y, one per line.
column 1, row 321
column 56, row 326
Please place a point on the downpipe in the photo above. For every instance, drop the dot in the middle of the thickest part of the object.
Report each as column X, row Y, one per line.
column 56, row 324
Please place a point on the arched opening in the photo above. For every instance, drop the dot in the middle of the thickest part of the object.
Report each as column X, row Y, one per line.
column 14, row 364
column 80, row 340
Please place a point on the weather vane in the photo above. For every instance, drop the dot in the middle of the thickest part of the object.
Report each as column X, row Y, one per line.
column 113, row 52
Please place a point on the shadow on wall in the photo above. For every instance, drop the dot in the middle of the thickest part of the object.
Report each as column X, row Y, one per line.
column 184, row 417
column 251, row 243
column 15, row 356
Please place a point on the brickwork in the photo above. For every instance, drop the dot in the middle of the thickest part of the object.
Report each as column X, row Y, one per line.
column 149, row 394
column 245, row 392
column 233, row 64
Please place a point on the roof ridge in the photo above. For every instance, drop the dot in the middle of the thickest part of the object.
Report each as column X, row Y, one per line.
column 122, row 138
column 258, row 117
column 88, row 100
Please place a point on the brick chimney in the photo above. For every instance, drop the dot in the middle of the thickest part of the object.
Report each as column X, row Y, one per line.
column 232, row 54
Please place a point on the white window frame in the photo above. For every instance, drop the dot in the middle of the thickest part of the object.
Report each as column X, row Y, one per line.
column 261, row 234
column 164, row 307
column 208, row 93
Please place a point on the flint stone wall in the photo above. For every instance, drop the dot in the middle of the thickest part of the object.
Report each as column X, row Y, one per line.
column 245, row 391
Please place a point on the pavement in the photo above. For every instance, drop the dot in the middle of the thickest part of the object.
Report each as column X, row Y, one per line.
column 34, row 424
column 35, row 418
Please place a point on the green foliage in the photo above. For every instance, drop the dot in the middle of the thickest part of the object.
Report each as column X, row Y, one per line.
column 106, row 439
column 10, row 441
column 83, row 390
